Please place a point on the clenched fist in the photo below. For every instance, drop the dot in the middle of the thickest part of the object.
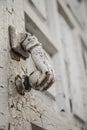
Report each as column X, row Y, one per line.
column 43, row 77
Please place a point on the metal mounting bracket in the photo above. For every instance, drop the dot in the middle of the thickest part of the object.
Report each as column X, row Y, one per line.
column 16, row 40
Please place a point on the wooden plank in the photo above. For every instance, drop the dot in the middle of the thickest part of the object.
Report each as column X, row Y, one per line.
column 42, row 34
column 73, row 21
column 78, row 11
column 53, row 22
column 39, row 28
column 75, row 84
column 82, row 77
column 41, row 7
column 59, row 90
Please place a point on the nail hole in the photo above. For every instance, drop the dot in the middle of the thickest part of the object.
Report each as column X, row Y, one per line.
column 2, row 86
column 62, row 110
column 12, row 105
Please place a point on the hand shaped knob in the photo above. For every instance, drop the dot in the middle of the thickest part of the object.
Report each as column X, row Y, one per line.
column 23, row 45
column 43, row 77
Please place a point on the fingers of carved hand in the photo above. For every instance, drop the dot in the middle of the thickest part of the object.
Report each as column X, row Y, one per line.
column 46, row 81
column 49, row 81
column 42, row 79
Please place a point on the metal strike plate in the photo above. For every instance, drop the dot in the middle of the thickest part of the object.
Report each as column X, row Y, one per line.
column 16, row 40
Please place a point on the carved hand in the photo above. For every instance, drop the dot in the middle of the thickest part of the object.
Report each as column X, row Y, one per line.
column 43, row 77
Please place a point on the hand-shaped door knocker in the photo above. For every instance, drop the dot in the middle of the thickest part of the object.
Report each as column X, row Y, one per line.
column 26, row 44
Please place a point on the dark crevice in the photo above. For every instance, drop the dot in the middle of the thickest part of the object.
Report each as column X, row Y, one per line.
column 65, row 16
column 79, row 1
column 70, row 102
column 1, row 86
column 27, row 84
column 9, row 126
column 62, row 110
column 35, row 127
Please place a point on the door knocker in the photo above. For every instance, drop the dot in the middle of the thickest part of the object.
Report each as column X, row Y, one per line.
column 23, row 45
